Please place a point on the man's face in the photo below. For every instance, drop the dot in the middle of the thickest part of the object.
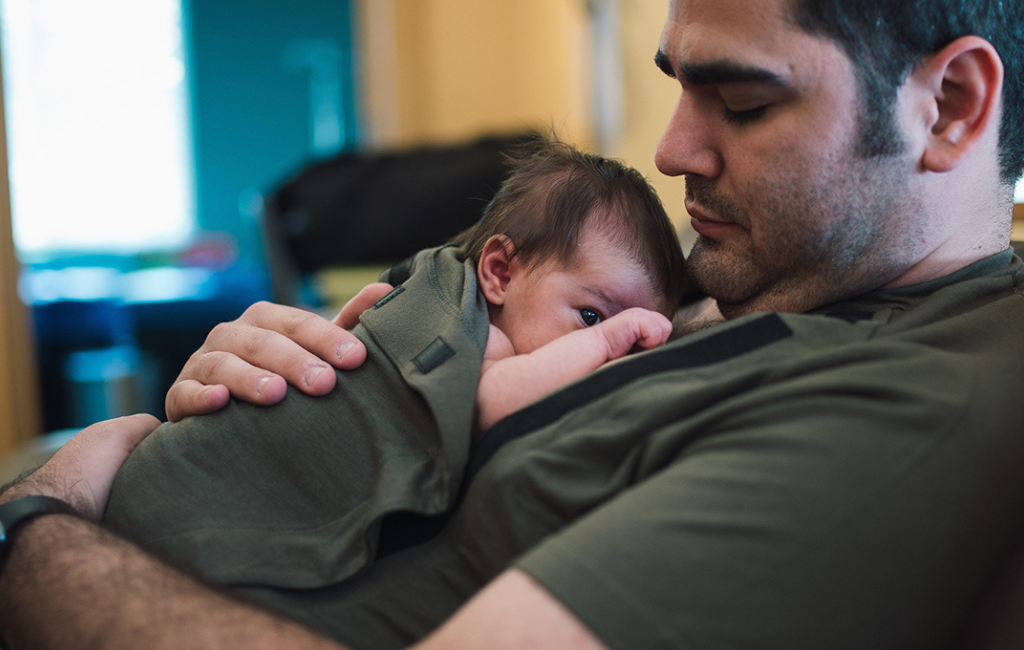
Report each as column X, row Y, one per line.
column 789, row 216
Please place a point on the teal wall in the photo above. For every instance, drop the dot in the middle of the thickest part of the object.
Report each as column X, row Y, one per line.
column 251, row 98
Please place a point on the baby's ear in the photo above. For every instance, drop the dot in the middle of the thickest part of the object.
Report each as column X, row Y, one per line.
column 495, row 268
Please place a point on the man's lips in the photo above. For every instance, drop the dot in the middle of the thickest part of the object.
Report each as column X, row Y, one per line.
column 706, row 225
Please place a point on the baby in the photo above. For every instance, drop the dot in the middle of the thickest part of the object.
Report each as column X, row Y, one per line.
column 574, row 264
column 572, row 242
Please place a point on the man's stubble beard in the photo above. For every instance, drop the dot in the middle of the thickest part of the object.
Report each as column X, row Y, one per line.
column 848, row 232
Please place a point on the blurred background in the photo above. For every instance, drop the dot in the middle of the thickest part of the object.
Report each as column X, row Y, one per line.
column 172, row 161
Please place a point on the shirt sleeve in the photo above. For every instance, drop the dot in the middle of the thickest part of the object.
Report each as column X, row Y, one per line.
column 293, row 495
column 837, row 510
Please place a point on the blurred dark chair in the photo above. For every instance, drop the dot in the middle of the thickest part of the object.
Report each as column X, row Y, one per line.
column 372, row 207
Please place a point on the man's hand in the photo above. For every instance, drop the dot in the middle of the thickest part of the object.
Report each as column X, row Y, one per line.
column 254, row 357
column 81, row 471
column 70, row 584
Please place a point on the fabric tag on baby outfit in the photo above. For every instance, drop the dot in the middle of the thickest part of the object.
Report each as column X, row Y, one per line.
column 389, row 297
column 433, row 355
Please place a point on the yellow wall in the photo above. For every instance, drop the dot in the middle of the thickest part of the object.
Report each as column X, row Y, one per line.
column 461, row 68
column 478, row 66
column 433, row 71
column 649, row 97
column 19, row 401
column 444, row 70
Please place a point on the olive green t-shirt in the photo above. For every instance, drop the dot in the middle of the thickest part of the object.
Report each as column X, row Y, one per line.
column 848, row 478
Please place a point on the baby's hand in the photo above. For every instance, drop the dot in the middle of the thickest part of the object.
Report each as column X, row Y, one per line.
column 511, row 383
column 633, row 328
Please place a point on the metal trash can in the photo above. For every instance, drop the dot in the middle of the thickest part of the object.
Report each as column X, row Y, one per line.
column 105, row 383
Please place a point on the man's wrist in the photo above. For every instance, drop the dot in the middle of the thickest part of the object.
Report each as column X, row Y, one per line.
column 9, row 492
column 34, row 482
column 24, row 486
column 17, row 512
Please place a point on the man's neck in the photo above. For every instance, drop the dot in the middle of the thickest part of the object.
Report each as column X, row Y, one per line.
column 974, row 240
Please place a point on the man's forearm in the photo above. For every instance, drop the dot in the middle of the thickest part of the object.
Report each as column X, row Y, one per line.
column 69, row 584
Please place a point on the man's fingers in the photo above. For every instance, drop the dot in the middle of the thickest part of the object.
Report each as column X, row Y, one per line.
column 257, row 355
column 97, row 454
column 188, row 397
column 82, row 471
column 280, row 330
column 122, row 435
column 267, row 347
column 349, row 315
column 210, row 378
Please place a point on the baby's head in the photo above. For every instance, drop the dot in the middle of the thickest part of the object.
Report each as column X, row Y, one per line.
column 588, row 222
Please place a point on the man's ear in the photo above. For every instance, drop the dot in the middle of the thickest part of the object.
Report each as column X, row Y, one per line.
column 496, row 268
column 961, row 86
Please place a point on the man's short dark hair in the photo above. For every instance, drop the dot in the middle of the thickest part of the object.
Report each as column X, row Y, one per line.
column 885, row 39
column 553, row 190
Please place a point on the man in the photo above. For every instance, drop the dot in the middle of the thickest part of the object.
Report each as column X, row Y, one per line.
column 843, row 478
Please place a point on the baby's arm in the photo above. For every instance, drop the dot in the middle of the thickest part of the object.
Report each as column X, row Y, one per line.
column 509, row 383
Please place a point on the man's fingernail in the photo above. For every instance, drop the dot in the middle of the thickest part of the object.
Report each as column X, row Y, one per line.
column 261, row 384
column 311, row 374
column 344, row 348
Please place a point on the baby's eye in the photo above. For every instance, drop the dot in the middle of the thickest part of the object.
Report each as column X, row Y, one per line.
column 590, row 317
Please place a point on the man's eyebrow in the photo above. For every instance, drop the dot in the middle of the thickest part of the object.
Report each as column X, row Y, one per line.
column 719, row 72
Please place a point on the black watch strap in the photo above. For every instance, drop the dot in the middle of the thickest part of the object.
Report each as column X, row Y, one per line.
column 15, row 513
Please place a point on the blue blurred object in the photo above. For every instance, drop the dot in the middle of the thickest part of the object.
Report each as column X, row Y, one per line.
column 111, row 342
column 105, row 383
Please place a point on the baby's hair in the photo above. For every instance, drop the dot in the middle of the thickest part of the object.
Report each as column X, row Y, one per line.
column 551, row 192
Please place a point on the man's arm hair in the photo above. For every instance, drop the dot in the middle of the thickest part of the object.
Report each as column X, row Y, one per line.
column 70, row 584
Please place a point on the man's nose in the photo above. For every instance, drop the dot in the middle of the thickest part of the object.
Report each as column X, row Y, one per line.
column 688, row 145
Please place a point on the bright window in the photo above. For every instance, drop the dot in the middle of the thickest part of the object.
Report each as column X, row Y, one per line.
column 98, row 132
